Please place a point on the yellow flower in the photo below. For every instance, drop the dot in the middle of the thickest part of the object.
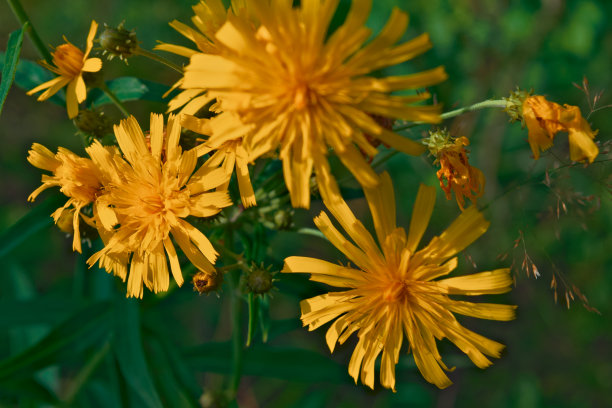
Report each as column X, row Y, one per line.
column 544, row 119
column 149, row 194
column 395, row 289
column 209, row 16
column 229, row 155
column 296, row 89
column 77, row 177
column 456, row 174
column 70, row 63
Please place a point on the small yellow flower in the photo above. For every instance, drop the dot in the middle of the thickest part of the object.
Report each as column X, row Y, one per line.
column 77, row 177
column 293, row 88
column 209, row 16
column 69, row 63
column 544, row 119
column 229, row 155
column 149, row 194
column 396, row 290
column 455, row 174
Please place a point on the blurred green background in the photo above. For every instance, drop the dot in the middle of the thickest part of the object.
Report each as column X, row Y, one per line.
column 66, row 333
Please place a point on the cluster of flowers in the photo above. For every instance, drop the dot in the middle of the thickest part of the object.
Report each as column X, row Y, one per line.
column 272, row 81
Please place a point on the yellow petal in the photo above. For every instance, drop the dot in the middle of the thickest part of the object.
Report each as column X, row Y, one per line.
column 175, row 49
column 81, row 90
column 175, row 266
column 72, row 103
column 421, row 214
column 49, row 84
column 90, row 37
column 491, row 282
column 92, row 65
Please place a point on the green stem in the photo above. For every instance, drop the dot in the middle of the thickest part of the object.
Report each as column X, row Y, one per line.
column 492, row 103
column 253, row 312
column 237, row 347
column 155, row 57
column 34, row 37
column 114, row 98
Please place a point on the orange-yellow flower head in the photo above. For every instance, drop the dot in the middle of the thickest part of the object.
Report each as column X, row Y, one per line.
column 69, row 62
column 544, row 119
column 286, row 84
column 77, row 177
column 395, row 291
column 151, row 191
column 209, row 16
column 455, row 174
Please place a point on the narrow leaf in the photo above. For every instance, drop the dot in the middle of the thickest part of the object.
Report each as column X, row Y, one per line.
column 127, row 347
column 11, row 57
column 88, row 327
column 37, row 219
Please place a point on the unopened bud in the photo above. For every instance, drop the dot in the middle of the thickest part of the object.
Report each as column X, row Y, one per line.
column 93, row 123
column 258, row 280
column 206, row 282
column 118, row 42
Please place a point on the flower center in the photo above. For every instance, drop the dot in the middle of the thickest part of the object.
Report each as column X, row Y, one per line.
column 395, row 292
column 69, row 60
column 303, row 96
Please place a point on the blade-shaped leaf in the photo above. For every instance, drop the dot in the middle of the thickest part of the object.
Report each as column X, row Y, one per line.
column 285, row 363
column 29, row 75
column 127, row 347
column 35, row 220
column 88, row 327
column 11, row 57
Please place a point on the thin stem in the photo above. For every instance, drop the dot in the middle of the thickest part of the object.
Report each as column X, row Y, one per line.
column 34, row 37
column 253, row 313
column 159, row 59
column 83, row 376
column 114, row 98
column 237, row 347
column 492, row 103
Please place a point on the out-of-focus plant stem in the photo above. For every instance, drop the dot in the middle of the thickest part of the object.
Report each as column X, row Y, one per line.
column 114, row 98
column 237, row 347
column 158, row 58
column 23, row 18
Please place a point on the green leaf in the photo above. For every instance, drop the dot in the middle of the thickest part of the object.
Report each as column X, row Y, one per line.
column 88, row 327
column 11, row 57
column 130, row 355
column 129, row 89
column 36, row 311
column 29, row 224
column 291, row 364
column 31, row 388
column 29, row 75
column 173, row 392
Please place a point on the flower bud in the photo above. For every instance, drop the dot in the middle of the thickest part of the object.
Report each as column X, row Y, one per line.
column 93, row 123
column 206, row 282
column 118, row 42
column 258, row 280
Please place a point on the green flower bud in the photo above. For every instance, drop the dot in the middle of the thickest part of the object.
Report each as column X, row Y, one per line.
column 93, row 123
column 118, row 42
column 258, row 280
